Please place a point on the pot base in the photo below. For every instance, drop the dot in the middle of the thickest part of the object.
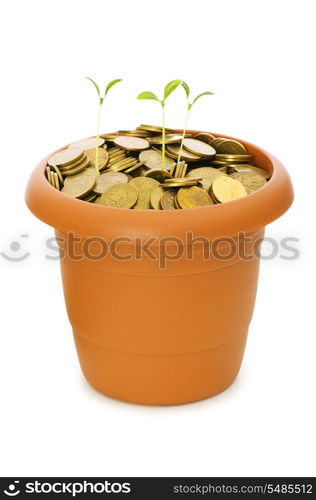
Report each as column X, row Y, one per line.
column 151, row 379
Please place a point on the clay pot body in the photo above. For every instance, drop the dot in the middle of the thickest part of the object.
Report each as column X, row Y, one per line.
column 164, row 323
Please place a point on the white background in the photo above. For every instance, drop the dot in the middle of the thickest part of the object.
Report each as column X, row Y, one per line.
column 259, row 59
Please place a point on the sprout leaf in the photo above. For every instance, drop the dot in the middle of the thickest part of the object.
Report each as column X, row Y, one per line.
column 170, row 87
column 110, row 85
column 186, row 88
column 198, row 97
column 148, row 95
column 95, row 84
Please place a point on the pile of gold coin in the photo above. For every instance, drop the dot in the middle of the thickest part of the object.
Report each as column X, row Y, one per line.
column 126, row 170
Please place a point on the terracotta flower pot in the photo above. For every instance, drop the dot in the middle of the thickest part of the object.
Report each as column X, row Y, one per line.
column 150, row 328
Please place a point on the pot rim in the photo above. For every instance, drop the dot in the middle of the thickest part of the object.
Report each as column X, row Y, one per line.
column 245, row 214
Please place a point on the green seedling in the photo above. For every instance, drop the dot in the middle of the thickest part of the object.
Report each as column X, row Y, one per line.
column 169, row 88
column 189, row 107
column 101, row 100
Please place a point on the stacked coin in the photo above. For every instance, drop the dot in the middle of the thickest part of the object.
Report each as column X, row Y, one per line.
column 199, row 171
column 54, row 177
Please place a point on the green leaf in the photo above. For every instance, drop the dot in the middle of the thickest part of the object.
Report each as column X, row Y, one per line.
column 186, row 88
column 170, row 87
column 110, row 85
column 148, row 95
column 95, row 84
column 200, row 95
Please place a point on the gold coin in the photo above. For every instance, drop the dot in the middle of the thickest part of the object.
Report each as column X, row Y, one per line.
column 250, row 180
column 231, row 169
column 169, row 139
column 65, row 157
column 116, row 152
column 153, row 159
column 217, row 141
column 177, row 203
column 168, row 200
column 74, row 164
column 181, row 169
column 156, row 148
column 103, row 156
column 55, row 180
column 121, row 161
column 144, row 186
column 115, row 158
column 192, row 197
column 49, row 175
column 126, row 160
column 76, row 170
column 90, row 197
column 108, row 137
column 178, row 184
column 199, row 148
column 80, row 184
column 231, row 146
column 233, row 158
column 113, row 149
column 91, row 142
column 131, row 143
column 181, row 181
column 138, row 172
column 172, row 169
column 155, row 198
column 135, row 167
column 134, row 133
column 123, row 165
column 225, row 189
column 113, row 163
column 260, row 171
column 119, row 196
column 208, row 175
column 158, row 175
column 185, row 155
column 60, row 177
column 154, row 128
column 104, row 181
column 223, row 169
column 227, row 162
column 205, row 137
column 218, row 163
column 52, row 179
